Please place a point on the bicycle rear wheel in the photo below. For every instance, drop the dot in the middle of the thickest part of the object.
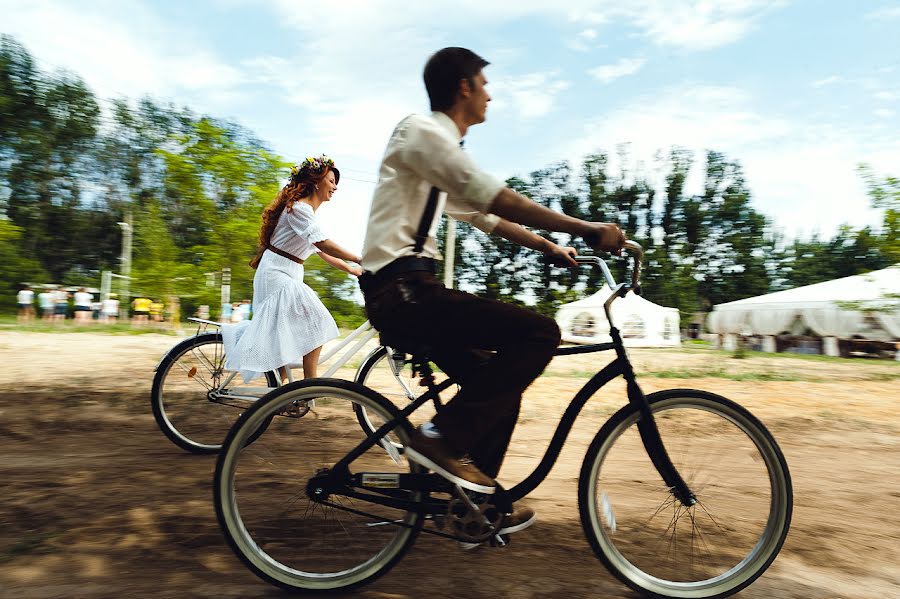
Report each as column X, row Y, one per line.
column 653, row 543
column 274, row 520
column 183, row 396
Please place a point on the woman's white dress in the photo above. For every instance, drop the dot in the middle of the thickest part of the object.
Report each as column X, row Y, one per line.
column 289, row 320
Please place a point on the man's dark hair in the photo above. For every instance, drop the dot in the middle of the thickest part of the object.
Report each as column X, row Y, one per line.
column 445, row 69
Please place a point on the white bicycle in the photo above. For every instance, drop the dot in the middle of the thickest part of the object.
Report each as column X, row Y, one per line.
column 195, row 399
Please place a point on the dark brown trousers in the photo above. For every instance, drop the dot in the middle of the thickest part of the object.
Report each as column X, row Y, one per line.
column 494, row 350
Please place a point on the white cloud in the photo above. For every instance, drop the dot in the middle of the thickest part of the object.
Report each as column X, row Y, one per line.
column 622, row 68
column 700, row 116
column 119, row 49
column 691, row 25
column 583, row 41
column 884, row 113
column 802, row 174
column 827, row 81
column 346, row 41
column 888, row 12
column 531, row 95
column 694, row 24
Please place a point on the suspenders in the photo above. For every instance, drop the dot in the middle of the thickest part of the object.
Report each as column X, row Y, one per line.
column 427, row 218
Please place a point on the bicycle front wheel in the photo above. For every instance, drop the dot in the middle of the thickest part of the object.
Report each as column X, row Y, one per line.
column 187, row 394
column 274, row 519
column 656, row 545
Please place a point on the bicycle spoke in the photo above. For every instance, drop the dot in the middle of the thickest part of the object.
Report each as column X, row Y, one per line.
column 270, row 477
column 183, row 402
column 657, row 539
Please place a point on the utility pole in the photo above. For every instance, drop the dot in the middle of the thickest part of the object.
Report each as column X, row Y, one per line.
column 226, row 295
column 125, row 302
column 449, row 252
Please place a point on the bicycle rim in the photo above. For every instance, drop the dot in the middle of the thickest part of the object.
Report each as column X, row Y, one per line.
column 181, row 394
column 267, row 515
column 651, row 541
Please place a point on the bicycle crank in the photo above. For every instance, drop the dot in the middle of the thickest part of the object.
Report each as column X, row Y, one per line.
column 297, row 409
column 472, row 520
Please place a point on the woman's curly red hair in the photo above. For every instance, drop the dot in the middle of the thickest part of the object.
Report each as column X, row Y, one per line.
column 296, row 189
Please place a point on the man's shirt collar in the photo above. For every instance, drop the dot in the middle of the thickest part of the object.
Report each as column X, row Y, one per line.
column 447, row 123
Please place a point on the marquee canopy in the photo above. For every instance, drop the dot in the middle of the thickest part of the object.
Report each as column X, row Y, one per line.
column 641, row 322
column 841, row 308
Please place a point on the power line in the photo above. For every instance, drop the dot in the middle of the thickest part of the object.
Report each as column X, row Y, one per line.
column 360, row 180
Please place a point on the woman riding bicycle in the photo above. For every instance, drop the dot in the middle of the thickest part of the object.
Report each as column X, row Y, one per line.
column 289, row 320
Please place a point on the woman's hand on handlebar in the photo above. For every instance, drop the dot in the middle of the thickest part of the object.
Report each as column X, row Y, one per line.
column 607, row 237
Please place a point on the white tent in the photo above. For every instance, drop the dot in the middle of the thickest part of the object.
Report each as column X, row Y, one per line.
column 641, row 322
column 824, row 308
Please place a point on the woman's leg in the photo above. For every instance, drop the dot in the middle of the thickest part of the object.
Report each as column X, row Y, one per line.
column 311, row 363
column 283, row 375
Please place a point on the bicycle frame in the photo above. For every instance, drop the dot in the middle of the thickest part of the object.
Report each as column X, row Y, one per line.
column 620, row 366
column 362, row 335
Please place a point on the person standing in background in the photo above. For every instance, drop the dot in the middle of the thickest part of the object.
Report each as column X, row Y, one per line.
column 47, row 304
column 140, row 311
column 25, row 302
column 110, row 310
column 60, row 304
column 156, row 311
column 83, row 301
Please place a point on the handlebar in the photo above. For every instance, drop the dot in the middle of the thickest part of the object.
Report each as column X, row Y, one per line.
column 637, row 253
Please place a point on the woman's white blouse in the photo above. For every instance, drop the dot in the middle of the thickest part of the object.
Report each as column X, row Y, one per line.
column 297, row 231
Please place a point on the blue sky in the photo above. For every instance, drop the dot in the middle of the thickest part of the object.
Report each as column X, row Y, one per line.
column 798, row 91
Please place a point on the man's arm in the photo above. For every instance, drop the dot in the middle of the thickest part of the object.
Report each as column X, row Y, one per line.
column 522, row 236
column 517, row 208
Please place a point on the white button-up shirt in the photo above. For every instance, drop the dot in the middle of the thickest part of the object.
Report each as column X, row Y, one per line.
column 424, row 152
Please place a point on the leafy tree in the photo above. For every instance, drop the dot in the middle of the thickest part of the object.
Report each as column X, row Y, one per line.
column 885, row 195
column 16, row 266
column 337, row 290
column 49, row 125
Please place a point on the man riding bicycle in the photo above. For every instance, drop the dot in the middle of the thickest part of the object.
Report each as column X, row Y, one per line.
column 495, row 350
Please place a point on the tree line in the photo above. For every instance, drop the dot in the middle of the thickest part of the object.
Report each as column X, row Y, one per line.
column 192, row 188
column 700, row 249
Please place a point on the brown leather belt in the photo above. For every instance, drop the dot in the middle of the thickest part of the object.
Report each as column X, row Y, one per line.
column 284, row 254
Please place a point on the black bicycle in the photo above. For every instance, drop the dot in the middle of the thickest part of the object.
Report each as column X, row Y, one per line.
column 682, row 493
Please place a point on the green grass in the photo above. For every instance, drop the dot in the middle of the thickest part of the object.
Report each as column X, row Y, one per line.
column 688, row 373
column 694, row 348
column 9, row 323
column 721, row 373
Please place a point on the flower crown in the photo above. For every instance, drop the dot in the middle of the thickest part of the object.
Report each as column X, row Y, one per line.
column 312, row 165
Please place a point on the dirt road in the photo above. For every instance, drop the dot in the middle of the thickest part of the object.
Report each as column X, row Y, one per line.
column 96, row 502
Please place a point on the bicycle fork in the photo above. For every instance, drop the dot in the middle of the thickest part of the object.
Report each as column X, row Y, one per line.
column 650, row 437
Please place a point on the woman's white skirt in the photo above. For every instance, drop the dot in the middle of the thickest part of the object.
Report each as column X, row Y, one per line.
column 289, row 321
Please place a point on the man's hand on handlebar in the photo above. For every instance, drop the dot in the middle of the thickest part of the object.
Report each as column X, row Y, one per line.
column 606, row 237
column 562, row 256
